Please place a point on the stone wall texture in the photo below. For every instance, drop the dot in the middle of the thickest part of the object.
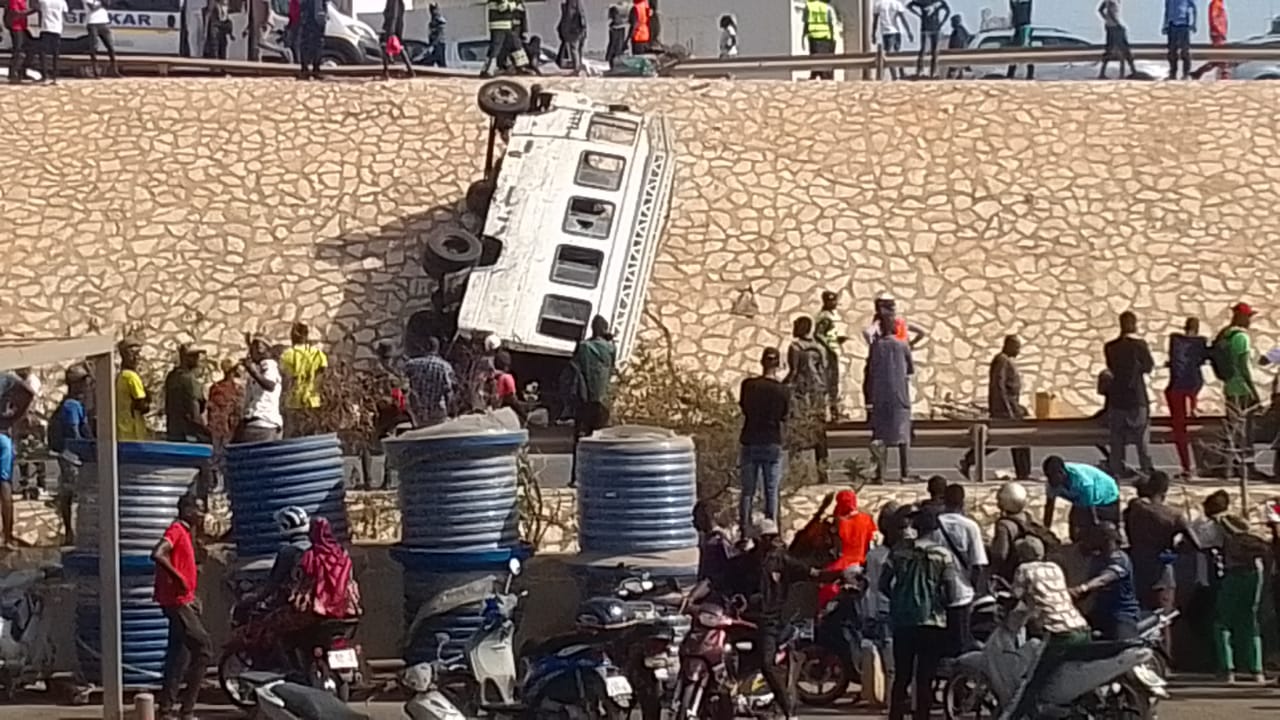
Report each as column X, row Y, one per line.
column 206, row 208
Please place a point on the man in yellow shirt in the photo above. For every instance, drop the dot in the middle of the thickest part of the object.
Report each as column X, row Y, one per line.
column 302, row 365
column 132, row 401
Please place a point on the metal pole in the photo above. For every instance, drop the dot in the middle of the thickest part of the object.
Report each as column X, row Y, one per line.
column 254, row 52
column 104, row 373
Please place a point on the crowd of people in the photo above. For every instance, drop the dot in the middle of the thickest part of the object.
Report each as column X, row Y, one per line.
column 932, row 560
column 806, row 392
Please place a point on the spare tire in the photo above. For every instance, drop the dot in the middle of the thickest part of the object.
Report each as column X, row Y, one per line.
column 503, row 98
column 450, row 249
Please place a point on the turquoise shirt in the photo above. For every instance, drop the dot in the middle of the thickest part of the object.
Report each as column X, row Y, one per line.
column 1088, row 486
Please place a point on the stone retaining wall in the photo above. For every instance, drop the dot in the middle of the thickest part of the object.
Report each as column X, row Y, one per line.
column 210, row 207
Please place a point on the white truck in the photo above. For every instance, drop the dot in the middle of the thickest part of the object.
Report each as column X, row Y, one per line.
column 570, row 219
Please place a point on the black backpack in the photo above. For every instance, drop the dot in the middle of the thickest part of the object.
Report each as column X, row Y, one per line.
column 1220, row 359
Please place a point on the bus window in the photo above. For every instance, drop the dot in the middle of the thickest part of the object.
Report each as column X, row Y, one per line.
column 564, row 318
column 610, row 129
column 592, row 218
column 577, row 266
column 597, row 170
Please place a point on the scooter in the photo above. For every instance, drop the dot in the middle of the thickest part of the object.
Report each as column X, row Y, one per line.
column 279, row 699
column 26, row 648
column 1111, row 681
column 572, row 674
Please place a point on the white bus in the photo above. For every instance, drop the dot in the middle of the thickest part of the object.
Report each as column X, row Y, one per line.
column 573, row 214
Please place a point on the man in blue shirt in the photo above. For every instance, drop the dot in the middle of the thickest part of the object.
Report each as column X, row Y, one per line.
column 1179, row 26
column 70, row 423
column 15, row 398
column 1115, row 609
column 1093, row 494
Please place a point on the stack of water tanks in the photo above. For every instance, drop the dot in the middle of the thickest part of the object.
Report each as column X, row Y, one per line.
column 265, row 477
column 637, row 486
column 152, row 477
column 459, row 525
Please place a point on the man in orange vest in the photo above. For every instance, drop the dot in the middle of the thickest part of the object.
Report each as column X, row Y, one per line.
column 906, row 331
column 641, row 30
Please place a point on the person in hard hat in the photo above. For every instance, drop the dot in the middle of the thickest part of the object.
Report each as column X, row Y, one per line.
column 826, row 329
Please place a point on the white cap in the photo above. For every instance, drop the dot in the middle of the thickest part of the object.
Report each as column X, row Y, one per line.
column 885, row 296
column 492, row 343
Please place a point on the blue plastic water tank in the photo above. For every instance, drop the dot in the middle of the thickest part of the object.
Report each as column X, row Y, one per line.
column 458, row 492
column 426, row 577
column 144, row 630
column 263, row 478
column 152, row 476
column 636, row 490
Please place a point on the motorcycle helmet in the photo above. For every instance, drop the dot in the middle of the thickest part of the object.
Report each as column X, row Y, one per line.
column 418, row 678
column 292, row 521
column 600, row 613
column 1012, row 498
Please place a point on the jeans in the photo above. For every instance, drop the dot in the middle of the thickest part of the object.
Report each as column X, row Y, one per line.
column 101, row 34
column 775, row 675
column 822, row 47
column 50, row 48
column 759, row 463
column 916, row 653
column 1179, row 37
column 892, row 43
column 1082, row 517
column 19, row 57
column 930, row 39
column 959, row 629
column 185, row 659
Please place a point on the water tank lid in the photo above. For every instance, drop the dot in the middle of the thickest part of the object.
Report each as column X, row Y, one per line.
column 147, row 453
column 417, row 559
column 686, row 558
column 637, row 436
column 87, row 563
column 458, row 439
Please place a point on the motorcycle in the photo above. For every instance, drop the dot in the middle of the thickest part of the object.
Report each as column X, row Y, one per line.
column 569, row 675
column 279, row 699
column 1112, row 680
column 322, row 656
column 830, row 649
column 721, row 672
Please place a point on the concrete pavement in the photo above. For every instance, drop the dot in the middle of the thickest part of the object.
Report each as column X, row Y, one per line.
column 1190, row 701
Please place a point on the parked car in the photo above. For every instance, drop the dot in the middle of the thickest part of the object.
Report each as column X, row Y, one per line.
column 1050, row 37
column 469, row 55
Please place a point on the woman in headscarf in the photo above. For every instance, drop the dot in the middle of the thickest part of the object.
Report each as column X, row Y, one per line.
column 856, row 530
column 328, row 588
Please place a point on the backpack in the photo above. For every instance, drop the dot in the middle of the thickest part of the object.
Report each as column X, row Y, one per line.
column 1220, row 358
column 1031, row 528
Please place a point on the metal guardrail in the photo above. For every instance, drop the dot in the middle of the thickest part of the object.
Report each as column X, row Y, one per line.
column 164, row 65
column 167, row 65
column 695, row 67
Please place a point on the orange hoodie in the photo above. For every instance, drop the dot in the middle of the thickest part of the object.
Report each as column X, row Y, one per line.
column 856, row 530
column 1217, row 22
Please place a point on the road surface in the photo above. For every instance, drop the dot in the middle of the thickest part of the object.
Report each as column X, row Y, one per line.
column 1191, row 701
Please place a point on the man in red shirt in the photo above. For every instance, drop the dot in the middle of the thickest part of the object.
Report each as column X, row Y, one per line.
column 190, row 649
column 15, row 21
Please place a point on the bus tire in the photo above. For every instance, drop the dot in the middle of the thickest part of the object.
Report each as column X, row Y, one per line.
column 503, row 98
column 449, row 250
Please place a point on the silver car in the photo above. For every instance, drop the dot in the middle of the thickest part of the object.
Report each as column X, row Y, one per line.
column 1049, row 37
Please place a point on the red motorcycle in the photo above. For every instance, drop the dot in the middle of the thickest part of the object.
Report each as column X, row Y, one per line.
column 721, row 674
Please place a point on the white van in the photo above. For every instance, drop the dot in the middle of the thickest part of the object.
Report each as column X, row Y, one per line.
column 572, row 216
column 155, row 27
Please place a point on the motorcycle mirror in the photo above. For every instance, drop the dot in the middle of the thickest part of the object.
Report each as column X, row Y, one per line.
column 514, row 565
